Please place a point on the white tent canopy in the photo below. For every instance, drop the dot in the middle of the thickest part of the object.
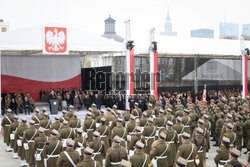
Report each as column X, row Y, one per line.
column 32, row 39
column 176, row 46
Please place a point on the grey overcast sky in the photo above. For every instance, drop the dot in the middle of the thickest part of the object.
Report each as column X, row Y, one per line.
column 89, row 15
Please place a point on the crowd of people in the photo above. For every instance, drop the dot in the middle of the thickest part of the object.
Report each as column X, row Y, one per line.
column 175, row 130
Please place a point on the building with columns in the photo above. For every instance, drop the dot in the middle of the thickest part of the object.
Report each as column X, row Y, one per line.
column 168, row 27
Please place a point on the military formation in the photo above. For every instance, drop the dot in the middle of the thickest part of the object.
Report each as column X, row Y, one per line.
column 176, row 135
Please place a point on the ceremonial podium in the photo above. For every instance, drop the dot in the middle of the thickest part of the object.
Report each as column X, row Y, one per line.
column 54, row 107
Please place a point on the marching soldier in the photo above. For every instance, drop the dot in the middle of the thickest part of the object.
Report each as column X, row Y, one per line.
column 98, row 118
column 234, row 154
column 74, row 122
column 171, row 139
column 114, row 111
column 45, row 123
column 98, row 146
column 42, row 113
column 104, row 131
column 139, row 158
column 181, row 162
column 71, row 112
column 239, row 131
column 143, row 120
column 179, row 128
column 19, row 102
column 186, row 121
column 38, row 147
column 230, row 134
column 118, row 115
column 66, row 133
column 28, row 140
column 228, row 120
column 64, row 116
column 135, row 138
column 80, row 142
column 36, row 117
column 188, row 155
column 69, row 157
column 150, row 111
column 6, row 122
column 149, row 134
column 95, row 112
column 207, row 126
column 18, row 137
column 109, row 117
column 246, row 130
column 160, row 121
column 200, row 141
column 120, row 131
column 126, row 116
column 169, row 116
column 218, row 127
column 89, row 126
column 52, row 150
column 137, row 111
column 222, row 154
column 12, row 130
column 57, row 125
column 160, row 151
column 116, row 153
column 88, row 161
column 131, row 126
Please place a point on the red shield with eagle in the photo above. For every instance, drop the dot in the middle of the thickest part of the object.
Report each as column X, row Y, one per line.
column 55, row 40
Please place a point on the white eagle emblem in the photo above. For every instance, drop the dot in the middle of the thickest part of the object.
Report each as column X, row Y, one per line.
column 55, row 40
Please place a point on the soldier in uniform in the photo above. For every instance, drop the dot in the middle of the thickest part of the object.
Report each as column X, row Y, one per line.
column 186, row 121
column 137, row 111
column 74, row 122
column 98, row 118
column 125, row 163
column 131, row 126
column 89, row 126
column 42, row 113
column 234, row 154
column 80, row 142
column 104, row 131
column 126, row 116
column 228, row 120
column 52, row 150
column 6, row 122
column 143, row 120
column 38, row 147
column 28, row 140
column 239, row 131
column 71, row 112
column 160, row 151
column 19, row 102
column 150, row 110
column 116, row 153
column 12, row 130
column 169, row 116
column 88, row 161
column 200, row 141
column 69, row 157
column 222, row 154
column 246, row 130
column 45, row 123
column 171, row 139
column 114, row 111
column 230, row 134
column 120, row 131
column 98, row 146
column 118, row 115
column 18, row 138
column 179, row 128
column 207, row 126
column 218, row 127
column 66, row 133
column 57, row 125
column 149, row 134
column 160, row 121
column 139, row 158
column 109, row 117
column 95, row 112
column 64, row 116
column 36, row 117
column 135, row 138
column 189, row 155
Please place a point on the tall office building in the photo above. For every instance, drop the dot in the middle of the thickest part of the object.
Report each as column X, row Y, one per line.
column 168, row 27
column 246, row 31
column 229, row 30
column 202, row 33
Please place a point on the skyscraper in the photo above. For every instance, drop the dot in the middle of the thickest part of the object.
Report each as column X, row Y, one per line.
column 202, row 33
column 229, row 30
column 246, row 31
column 168, row 27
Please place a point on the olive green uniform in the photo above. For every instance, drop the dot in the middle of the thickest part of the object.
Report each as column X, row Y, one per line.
column 185, row 151
column 39, row 148
column 12, row 130
column 159, row 153
column 222, row 156
column 45, row 123
column 104, row 131
column 19, row 136
column 63, row 160
column 6, row 121
column 88, row 162
column 89, row 126
column 139, row 159
column 149, row 134
column 200, row 142
column 115, row 155
column 121, row 132
column 99, row 150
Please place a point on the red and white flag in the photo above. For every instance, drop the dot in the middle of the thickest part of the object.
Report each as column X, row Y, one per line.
column 204, row 95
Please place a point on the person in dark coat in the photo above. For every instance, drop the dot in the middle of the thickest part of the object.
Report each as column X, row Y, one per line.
column 13, row 106
column 26, row 105
column 97, row 101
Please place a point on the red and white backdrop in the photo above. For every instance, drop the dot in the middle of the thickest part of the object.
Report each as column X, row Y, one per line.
column 33, row 73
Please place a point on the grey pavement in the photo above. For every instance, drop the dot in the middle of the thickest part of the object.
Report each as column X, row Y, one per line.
column 6, row 159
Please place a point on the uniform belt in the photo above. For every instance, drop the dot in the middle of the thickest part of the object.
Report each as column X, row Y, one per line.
column 36, row 124
column 224, row 161
column 6, row 125
column 46, row 129
column 231, row 145
column 89, row 129
column 169, row 142
column 53, row 156
column 186, row 126
column 97, row 153
column 132, row 133
column 20, row 137
column 39, row 149
column 162, row 157
column 115, row 163
column 191, row 160
column 103, row 136
column 30, row 141
column 159, row 128
column 200, row 151
column 149, row 137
